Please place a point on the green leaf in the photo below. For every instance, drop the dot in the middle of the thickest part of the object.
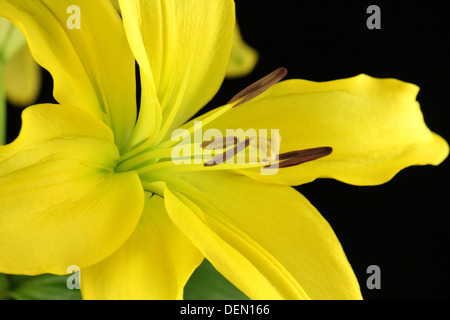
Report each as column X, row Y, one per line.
column 208, row 284
column 4, row 286
column 43, row 287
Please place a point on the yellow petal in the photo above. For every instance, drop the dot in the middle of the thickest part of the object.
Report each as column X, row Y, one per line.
column 116, row 4
column 375, row 127
column 183, row 48
column 243, row 58
column 22, row 79
column 155, row 262
column 92, row 67
column 61, row 202
column 268, row 240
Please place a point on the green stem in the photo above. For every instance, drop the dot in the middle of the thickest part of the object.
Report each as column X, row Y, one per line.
column 2, row 107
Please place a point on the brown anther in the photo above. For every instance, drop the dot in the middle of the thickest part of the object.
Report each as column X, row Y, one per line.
column 259, row 87
column 293, row 158
column 221, row 158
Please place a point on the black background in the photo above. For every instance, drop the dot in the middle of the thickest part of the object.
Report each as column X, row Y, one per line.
column 403, row 225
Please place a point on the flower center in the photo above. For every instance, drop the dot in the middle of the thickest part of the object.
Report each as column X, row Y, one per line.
column 240, row 150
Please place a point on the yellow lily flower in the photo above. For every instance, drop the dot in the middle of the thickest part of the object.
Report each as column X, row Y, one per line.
column 19, row 74
column 87, row 184
column 243, row 58
column 21, row 78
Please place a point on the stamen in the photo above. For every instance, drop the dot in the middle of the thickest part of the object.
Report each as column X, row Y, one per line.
column 221, row 158
column 293, row 158
column 259, row 87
